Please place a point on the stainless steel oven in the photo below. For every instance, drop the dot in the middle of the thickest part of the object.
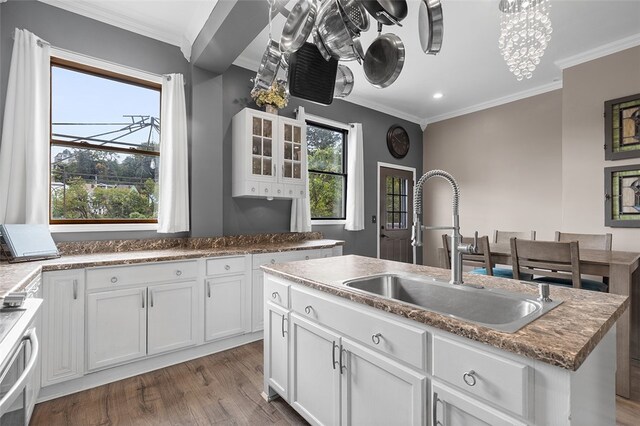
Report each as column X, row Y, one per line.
column 16, row 398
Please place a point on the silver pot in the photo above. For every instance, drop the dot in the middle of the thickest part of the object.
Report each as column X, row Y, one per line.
column 335, row 35
column 299, row 24
column 384, row 60
column 269, row 66
column 344, row 82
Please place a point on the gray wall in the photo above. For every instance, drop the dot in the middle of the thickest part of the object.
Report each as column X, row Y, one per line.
column 212, row 101
column 241, row 215
column 83, row 35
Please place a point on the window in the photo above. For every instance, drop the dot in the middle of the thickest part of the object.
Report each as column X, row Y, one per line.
column 326, row 148
column 105, row 137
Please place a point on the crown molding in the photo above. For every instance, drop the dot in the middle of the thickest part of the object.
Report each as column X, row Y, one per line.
column 94, row 11
column 599, row 52
column 494, row 102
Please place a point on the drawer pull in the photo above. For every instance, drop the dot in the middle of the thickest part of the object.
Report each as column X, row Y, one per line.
column 308, row 309
column 306, row 258
column 142, row 297
column 376, row 338
column 273, row 261
column 151, row 299
column 342, row 366
column 178, row 272
column 469, row 378
column 227, row 267
column 275, row 295
column 114, row 279
column 209, row 289
column 333, row 355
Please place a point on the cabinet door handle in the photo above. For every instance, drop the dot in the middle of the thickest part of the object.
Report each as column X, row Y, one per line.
column 469, row 377
column 151, row 298
column 283, row 330
column 209, row 289
column 283, row 170
column 142, row 297
column 343, row 366
column 333, row 354
column 434, row 409
column 75, row 289
column 275, row 171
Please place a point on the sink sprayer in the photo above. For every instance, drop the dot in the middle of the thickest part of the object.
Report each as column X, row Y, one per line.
column 457, row 249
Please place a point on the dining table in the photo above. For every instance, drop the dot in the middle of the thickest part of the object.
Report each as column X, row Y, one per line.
column 621, row 268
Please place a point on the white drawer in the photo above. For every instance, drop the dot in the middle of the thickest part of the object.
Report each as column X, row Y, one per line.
column 226, row 265
column 499, row 380
column 120, row 276
column 401, row 341
column 285, row 256
column 276, row 292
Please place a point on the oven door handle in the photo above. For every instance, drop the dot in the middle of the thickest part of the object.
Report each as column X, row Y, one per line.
column 30, row 335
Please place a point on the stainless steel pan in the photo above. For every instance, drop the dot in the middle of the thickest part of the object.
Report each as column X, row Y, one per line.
column 299, row 25
column 333, row 31
column 268, row 66
column 344, row 82
column 387, row 12
column 430, row 26
column 354, row 15
column 384, row 60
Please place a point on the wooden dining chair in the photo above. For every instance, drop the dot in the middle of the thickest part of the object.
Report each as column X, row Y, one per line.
column 587, row 241
column 506, row 236
column 482, row 260
column 553, row 262
column 592, row 242
column 503, row 237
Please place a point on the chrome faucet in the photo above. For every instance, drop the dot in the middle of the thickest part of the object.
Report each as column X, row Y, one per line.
column 457, row 248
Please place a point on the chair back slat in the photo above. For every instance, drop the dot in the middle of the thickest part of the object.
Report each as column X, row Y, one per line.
column 546, row 259
column 587, row 241
column 506, row 236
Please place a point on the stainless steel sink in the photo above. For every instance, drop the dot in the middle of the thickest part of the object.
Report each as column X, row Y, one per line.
column 495, row 309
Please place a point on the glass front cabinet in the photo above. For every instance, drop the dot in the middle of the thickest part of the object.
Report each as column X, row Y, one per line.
column 269, row 156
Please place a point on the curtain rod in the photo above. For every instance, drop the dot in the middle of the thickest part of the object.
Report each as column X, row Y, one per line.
column 42, row 43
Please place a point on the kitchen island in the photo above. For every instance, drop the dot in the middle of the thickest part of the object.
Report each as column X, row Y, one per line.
column 339, row 354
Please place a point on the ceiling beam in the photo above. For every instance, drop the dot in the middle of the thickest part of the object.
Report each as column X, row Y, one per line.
column 231, row 27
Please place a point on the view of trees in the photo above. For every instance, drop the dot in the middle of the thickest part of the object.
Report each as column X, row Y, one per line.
column 96, row 184
column 327, row 182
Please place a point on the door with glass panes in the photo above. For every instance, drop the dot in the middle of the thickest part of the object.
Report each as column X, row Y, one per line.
column 396, row 212
column 292, row 150
column 263, row 157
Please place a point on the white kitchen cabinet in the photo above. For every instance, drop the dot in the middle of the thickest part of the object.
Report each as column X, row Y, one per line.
column 314, row 371
column 63, row 326
column 379, row 391
column 171, row 316
column 257, row 300
column 276, row 367
column 452, row 408
column 116, row 326
column 225, row 306
column 269, row 155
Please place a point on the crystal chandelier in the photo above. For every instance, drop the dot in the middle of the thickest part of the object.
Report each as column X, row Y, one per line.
column 525, row 31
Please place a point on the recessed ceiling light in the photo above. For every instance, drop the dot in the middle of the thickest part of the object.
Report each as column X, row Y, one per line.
column 437, row 95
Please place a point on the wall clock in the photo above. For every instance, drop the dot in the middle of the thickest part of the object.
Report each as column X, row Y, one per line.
column 398, row 141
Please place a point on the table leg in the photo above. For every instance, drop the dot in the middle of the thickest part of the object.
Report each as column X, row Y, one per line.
column 620, row 283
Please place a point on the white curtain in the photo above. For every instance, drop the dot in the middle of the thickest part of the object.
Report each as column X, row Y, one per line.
column 355, row 179
column 24, row 151
column 173, row 202
column 300, row 207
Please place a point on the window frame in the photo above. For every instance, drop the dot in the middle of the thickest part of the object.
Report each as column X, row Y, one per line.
column 344, row 129
column 80, row 63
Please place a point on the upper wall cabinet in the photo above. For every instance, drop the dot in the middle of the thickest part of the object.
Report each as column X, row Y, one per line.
column 269, row 155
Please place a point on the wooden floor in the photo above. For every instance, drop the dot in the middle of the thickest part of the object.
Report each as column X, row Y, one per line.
column 223, row 388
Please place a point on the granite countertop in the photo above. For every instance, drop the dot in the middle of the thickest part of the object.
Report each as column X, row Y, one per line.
column 16, row 276
column 563, row 337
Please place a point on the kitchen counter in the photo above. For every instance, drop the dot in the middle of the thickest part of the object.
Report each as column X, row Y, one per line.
column 16, row 276
column 563, row 337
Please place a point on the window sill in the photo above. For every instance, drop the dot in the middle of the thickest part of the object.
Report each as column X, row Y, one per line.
column 97, row 227
column 328, row 222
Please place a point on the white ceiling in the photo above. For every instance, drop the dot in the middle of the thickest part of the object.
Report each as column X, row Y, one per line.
column 176, row 22
column 469, row 70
